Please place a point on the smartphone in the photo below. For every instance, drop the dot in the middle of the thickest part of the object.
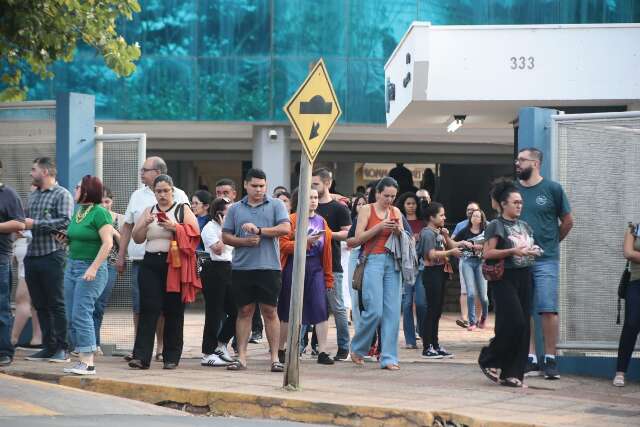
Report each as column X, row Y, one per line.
column 162, row 217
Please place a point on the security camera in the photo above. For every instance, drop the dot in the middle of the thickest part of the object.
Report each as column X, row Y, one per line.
column 273, row 135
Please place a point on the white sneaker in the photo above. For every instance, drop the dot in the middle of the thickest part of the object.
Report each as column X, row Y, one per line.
column 82, row 369
column 213, row 360
column 68, row 370
column 618, row 381
column 223, row 353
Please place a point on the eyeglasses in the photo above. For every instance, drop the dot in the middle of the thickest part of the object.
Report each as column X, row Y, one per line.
column 145, row 170
column 522, row 159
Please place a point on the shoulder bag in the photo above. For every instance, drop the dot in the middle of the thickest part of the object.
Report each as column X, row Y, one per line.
column 494, row 271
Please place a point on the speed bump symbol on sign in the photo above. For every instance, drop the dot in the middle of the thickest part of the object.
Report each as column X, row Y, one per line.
column 314, row 110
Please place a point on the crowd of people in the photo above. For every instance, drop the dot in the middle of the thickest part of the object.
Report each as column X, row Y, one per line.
column 240, row 253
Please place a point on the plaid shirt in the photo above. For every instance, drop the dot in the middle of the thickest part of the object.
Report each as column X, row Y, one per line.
column 49, row 209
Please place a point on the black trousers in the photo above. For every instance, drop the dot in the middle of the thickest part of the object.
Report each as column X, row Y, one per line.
column 434, row 281
column 631, row 326
column 509, row 348
column 45, row 280
column 155, row 300
column 219, row 306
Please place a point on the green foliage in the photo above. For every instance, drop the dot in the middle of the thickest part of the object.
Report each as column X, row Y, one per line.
column 37, row 33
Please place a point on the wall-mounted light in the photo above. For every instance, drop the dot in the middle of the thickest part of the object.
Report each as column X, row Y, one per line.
column 455, row 123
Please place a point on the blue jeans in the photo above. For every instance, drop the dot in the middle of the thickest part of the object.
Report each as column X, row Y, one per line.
column 80, row 297
column 336, row 306
column 381, row 299
column 135, row 286
column 411, row 293
column 355, row 304
column 103, row 300
column 476, row 284
column 6, row 319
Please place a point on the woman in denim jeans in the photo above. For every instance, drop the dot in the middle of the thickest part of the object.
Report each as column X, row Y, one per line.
column 90, row 238
column 381, row 284
column 408, row 205
column 631, row 326
column 471, row 268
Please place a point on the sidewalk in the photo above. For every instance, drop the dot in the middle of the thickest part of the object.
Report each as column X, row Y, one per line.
column 346, row 394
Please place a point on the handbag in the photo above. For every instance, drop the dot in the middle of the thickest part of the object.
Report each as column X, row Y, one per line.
column 493, row 272
column 622, row 289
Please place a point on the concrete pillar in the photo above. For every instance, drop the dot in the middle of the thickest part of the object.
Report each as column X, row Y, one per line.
column 75, row 137
column 634, row 107
column 272, row 154
column 345, row 178
column 534, row 131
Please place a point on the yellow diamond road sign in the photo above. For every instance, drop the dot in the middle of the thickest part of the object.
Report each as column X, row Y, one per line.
column 314, row 110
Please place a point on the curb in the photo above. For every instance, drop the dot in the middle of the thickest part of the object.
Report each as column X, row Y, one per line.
column 220, row 403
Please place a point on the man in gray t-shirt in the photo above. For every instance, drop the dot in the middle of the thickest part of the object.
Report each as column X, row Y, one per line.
column 253, row 227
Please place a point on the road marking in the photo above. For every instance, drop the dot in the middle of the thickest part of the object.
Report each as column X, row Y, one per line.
column 25, row 408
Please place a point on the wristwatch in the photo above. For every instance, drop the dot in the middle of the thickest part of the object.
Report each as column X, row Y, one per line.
column 259, row 231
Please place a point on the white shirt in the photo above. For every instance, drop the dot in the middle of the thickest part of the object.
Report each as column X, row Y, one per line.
column 140, row 200
column 212, row 234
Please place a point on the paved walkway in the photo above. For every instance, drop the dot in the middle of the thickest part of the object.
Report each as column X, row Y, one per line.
column 455, row 388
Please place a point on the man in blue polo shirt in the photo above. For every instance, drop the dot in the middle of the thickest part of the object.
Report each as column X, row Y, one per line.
column 546, row 209
column 253, row 227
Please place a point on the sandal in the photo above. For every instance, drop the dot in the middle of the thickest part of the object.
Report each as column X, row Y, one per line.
column 491, row 373
column 277, row 367
column 237, row 366
column 392, row 367
column 357, row 359
column 512, row 382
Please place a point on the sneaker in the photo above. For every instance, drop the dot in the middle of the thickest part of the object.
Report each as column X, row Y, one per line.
column 342, row 355
column 68, row 370
column 431, row 353
column 213, row 360
column 551, row 369
column 61, row 356
column 531, row 369
column 40, row 356
column 618, row 380
column 444, row 353
column 6, row 360
column 462, row 323
column 82, row 368
column 256, row 338
column 325, row 359
column 223, row 353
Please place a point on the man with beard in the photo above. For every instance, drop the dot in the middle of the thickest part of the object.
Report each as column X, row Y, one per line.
column 338, row 218
column 546, row 209
column 49, row 211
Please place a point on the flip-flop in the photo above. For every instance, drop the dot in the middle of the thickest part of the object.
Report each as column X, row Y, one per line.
column 512, row 382
column 391, row 367
column 357, row 359
column 277, row 367
column 491, row 373
column 237, row 366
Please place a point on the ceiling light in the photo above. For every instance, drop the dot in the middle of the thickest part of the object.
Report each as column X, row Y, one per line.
column 455, row 123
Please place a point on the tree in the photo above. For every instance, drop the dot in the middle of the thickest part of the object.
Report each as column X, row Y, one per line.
column 36, row 33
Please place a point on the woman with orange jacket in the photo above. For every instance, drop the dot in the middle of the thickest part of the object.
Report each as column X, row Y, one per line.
column 317, row 279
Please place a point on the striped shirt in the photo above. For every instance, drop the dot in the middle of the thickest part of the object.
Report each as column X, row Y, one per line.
column 50, row 209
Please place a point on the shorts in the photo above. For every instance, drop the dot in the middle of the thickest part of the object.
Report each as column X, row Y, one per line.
column 256, row 286
column 544, row 273
column 135, row 286
column 20, row 251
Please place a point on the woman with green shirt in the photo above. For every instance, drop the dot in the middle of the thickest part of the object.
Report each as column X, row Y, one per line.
column 90, row 238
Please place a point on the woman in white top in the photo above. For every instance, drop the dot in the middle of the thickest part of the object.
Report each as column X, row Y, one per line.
column 220, row 309
column 156, row 228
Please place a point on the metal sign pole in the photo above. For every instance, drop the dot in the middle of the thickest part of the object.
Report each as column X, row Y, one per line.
column 292, row 371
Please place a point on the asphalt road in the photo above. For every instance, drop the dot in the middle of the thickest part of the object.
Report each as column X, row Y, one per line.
column 26, row 403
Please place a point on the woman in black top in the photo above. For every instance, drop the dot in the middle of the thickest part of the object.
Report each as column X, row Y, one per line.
column 509, row 240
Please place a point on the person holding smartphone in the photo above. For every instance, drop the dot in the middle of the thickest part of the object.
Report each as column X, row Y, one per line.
column 317, row 279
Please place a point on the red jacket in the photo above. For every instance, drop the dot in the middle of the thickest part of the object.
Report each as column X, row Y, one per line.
column 287, row 245
column 184, row 278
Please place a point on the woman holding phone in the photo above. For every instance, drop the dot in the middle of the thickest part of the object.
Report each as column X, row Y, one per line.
column 156, row 228
column 90, row 238
column 318, row 277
